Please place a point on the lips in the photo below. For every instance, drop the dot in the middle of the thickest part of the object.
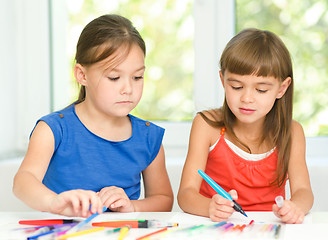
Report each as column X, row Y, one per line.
column 124, row 102
column 246, row 110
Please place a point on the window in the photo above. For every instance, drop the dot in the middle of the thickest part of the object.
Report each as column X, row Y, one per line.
column 215, row 22
column 24, row 67
column 167, row 28
column 303, row 27
column 36, row 67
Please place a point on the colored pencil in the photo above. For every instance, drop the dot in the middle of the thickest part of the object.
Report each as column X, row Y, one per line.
column 79, row 233
column 221, row 191
column 123, row 232
column 46, row 222
column 152, row 233
column 81, row 224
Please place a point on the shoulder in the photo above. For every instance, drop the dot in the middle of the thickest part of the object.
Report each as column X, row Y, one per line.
column 297, row 129
column 146, row 128
column 213, row 114
column 59, row 116
column 57, row 121
column 297, row 136
column 211, row 118
column 143, row 123
column 206, row 127
column 148, row 133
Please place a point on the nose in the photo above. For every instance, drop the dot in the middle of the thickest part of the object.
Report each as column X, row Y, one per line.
column 247, row 96
column 126, row 87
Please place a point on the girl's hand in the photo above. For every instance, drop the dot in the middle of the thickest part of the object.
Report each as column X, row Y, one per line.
column 76, row 203
column 116, row 199
column 221, row 208
column 289, row 212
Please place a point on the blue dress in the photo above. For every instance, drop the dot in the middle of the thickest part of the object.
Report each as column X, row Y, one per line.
column 83, row 160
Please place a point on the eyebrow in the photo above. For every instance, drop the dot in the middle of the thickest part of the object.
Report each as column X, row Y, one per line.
column 258, row 83
column 233, row 80
column 137, row 70
column 265, row 83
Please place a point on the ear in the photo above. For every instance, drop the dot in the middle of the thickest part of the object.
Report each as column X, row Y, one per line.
column 79, row 73
column 221, row 77
column 283, row 87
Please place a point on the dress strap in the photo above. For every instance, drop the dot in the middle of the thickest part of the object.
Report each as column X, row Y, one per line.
column 222, row 131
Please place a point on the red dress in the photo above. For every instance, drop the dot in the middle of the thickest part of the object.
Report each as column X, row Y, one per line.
column 251, row 179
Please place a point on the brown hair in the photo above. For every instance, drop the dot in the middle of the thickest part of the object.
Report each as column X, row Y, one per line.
column 261, row 53
column 103, row 37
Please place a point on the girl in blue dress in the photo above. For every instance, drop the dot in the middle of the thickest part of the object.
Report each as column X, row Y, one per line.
column 93, row 153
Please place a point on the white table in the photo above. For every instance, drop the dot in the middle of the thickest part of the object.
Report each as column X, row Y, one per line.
column 314, row 227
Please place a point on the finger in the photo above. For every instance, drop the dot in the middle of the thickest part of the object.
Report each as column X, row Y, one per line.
column 225, row 209
column 110, row 199
column 233, row 194
column 218, row 199
column 95, row 203
column 119, row 203
column 218, row 214
column 85, row 204
column 289, row 217
column 114, row 196
column 74, row 200
column 100, row 205
column 284, row 210
column 300, row 219
column 105, row 190
column 275, row 210
column 215, row 218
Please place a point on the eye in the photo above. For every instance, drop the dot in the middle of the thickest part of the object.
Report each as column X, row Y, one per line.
column 261, row 91
column 236, row 88
column 138, row 78
column 113, row 78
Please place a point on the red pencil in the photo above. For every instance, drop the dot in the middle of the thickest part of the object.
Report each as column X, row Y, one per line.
column 45, row 222
column 251, row 222
column 152, row 233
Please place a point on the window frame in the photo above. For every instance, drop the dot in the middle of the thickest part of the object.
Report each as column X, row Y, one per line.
column 34, row 97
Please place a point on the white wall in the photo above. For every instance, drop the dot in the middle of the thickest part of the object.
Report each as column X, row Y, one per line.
column 24, row 71
column 8, row 77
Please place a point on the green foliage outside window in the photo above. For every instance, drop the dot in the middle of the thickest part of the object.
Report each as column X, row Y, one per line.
column 167, row 27
column 303, row 26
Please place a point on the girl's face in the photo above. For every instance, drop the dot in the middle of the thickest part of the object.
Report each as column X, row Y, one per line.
column 118, row 90
column 250, row 97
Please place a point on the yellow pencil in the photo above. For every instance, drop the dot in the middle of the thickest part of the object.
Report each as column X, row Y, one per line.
column 79, row 233
column 123, row 232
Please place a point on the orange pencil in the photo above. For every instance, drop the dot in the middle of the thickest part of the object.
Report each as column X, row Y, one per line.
column 152, row 233
column 135, row 224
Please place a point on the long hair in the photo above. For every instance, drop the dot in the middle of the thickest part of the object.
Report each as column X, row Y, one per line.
column 261, row 53
column 102, row 38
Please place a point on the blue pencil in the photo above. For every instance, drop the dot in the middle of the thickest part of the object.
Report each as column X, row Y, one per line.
column 81, row 224
column 46, row 230
column 221, row 191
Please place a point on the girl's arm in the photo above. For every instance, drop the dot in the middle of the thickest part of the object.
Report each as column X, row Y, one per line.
column 158, row 191
column 202, row 136
column 28, row 184
column 301, row 200
column 28, row 180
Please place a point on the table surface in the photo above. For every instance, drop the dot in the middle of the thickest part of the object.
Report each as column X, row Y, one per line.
column 314, row 226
